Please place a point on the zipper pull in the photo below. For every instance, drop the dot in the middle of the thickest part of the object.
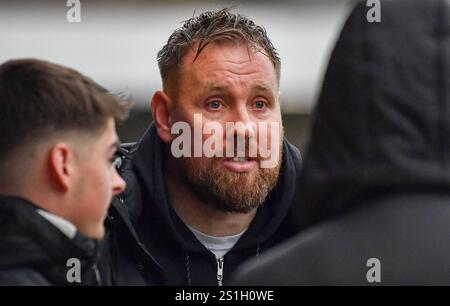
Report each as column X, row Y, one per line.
column 220, row 271
column 97, row 274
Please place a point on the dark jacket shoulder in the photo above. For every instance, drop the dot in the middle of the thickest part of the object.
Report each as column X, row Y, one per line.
column 35, row 252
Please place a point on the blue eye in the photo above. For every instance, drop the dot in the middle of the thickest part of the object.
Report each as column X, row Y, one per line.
column 260, row 104
column 215, row 104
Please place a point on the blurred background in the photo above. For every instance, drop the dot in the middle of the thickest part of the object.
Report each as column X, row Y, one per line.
column 116, row 43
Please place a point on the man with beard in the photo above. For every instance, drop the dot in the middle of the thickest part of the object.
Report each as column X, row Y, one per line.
column 192, row 220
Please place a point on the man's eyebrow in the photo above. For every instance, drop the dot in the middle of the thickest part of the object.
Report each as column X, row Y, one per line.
column 115, row 145
column 259, row 86
column 212, row 86
column 263, row 87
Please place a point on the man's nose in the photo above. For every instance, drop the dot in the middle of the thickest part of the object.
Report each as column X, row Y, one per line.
column 242, row 115
column 119, row 184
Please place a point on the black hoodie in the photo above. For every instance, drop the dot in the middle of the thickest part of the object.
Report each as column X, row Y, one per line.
column 147, row 243
column 376, row 175
column 33, row 252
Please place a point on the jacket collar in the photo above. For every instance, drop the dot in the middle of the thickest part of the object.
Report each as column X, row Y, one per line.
column 28, row 239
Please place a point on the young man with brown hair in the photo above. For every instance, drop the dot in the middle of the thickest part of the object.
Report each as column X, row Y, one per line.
column 57, row 143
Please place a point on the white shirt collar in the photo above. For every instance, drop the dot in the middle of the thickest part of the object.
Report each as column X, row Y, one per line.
column 63, row 225
column 219, row 246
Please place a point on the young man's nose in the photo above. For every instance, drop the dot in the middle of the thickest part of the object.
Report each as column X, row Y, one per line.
column 118, row 183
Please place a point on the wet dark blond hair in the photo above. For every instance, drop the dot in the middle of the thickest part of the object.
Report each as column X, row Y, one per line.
column 214, row 26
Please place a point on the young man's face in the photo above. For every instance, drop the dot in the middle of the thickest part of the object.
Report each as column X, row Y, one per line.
column 228, row 83
column 96, row 181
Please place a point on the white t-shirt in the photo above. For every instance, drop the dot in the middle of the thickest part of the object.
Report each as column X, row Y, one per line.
column 219, row 246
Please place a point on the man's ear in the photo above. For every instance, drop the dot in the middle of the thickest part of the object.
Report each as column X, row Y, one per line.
column 160, row 109
column 61, row 162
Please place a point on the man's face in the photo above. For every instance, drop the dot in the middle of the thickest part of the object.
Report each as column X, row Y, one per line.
column 96, row 181
column 228, row 83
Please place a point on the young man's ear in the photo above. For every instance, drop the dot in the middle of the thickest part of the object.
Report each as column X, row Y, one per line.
column 160, row 110
column 61, row 165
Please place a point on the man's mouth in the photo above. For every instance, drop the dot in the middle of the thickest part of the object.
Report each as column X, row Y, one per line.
column 240, row 159
column 240, row 164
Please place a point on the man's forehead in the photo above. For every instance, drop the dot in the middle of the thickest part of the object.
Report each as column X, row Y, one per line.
column 221, row 85
column 216, row 73
column 220, row 50
column 109, row 134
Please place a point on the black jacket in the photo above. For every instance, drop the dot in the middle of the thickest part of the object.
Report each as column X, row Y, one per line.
column 33, row 252
column 148, row 244
column 376, row 177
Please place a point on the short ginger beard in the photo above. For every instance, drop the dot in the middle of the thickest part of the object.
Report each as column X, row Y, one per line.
column 227, row 191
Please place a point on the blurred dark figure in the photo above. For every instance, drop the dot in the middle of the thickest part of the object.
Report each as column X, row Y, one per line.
column 376, row 177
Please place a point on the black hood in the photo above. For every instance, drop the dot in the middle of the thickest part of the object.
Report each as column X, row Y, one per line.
column 382, row 122
column 148, row 164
